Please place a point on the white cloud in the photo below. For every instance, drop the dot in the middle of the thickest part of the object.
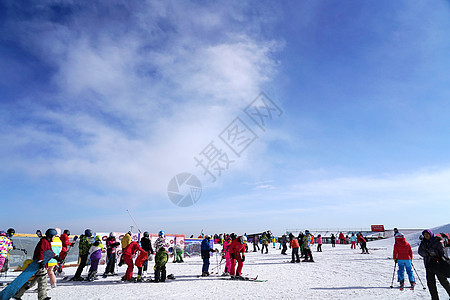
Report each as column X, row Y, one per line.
column 133, row 107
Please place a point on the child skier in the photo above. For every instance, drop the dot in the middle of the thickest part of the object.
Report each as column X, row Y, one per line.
column 96, row 254
column 140, row 261
column 178, row 254
column 56, row 248
column 403, row 256
column 161, row 259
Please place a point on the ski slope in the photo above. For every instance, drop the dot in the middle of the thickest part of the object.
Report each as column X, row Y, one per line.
column 337, row 273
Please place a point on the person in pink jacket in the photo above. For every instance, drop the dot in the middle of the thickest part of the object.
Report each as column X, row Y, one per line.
column 319, row 243
column 226, row 254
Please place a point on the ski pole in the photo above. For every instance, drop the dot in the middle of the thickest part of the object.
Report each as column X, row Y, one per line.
column 133, row 221
column 418, row 276
column 393, row 275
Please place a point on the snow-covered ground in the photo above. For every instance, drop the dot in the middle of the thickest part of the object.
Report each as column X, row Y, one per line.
column 338, row 273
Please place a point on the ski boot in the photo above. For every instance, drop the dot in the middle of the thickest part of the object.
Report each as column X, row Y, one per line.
column 402, row 285
column 139, row 279
column 413, row 284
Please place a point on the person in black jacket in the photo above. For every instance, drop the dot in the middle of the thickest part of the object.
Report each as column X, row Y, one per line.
column 283, row 242
column 146, row 244
column 432, row 250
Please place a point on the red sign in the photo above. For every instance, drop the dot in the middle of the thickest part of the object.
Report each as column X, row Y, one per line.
column 377, row 228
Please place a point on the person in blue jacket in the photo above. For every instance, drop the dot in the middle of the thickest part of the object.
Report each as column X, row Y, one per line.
column 205, row 250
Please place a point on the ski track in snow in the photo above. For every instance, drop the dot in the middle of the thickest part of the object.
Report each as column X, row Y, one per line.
column 338, row 273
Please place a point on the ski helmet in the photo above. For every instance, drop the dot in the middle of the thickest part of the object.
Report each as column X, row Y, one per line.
column 243, row 239
column 146, row 234
column 98, row 238
column 2, row 233
column 88, row 232
column 112, row 234
column 208, row 237
column 233, row 236
column 162, row 233
column 11, row 232
column 51, row 232
column 66, row 231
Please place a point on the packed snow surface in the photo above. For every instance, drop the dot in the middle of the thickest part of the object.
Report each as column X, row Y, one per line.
column 337, row 273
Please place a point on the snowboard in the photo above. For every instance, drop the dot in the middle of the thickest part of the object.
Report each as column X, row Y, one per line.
column 61, row 265
column 14, row 286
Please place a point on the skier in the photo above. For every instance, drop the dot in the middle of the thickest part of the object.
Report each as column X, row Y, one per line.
column 146, row 244
column 237, row 247
column 95, row 253
column 205, row 250
column 255, row 243
column 353, row 241
column 161, row 241
column 140, row 260
column 40, row 277
column 283, row 242
column 178, row 258
column 319, row 243
column 295, row 246
column 307, row 247
column 362, row 240
column 56, row 248
column 274, row 240
column 226, row 255
column 264, row 243
column 5, row 247
column 65, row 243
column 111, row 245
column 127, row 256
column 403, row 256
column 161, row 259
column 333, row 240
column 432, row 251
column 125, row 241
column 84, row 247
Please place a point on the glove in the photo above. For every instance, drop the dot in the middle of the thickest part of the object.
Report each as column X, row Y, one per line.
column 243, row 258
column 41, row 264
column 395, row 260
column 233, row 256
column 72, row 244
column 58, row 259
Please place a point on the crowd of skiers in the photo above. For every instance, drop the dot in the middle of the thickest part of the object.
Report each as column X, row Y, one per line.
column 432, row 248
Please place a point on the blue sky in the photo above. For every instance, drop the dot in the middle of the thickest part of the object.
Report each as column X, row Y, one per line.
column 102, row 103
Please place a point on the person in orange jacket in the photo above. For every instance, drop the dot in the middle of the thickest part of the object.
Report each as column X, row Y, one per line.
column 237, row 247
column 127, row 255
column 295, row 246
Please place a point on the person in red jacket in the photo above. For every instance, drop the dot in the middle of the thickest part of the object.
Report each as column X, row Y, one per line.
column 127, row 255
column 41, row 275
column 361, row 240
column 403, row 256
column 237, row 247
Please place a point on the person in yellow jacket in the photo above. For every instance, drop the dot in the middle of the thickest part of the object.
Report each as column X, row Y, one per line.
column 56, row 248
column 124, row 242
